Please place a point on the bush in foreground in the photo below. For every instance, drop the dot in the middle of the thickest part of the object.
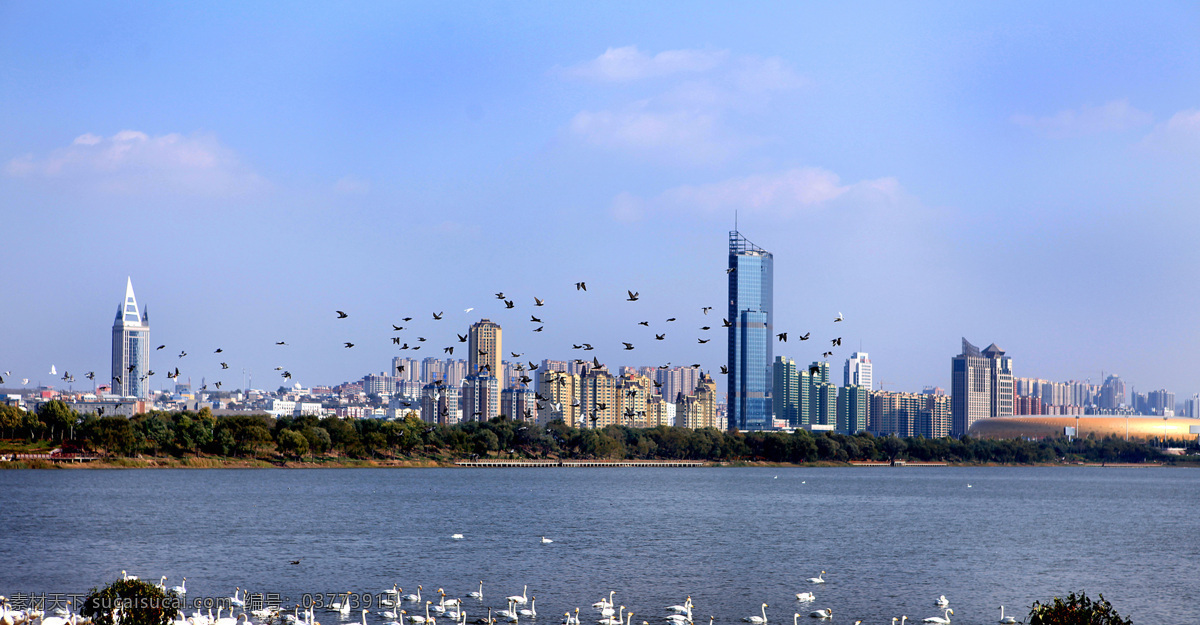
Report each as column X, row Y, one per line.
column 1076, row 610
column 130, row 602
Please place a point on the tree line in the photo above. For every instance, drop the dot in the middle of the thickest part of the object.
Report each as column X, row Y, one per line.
column 188, row 433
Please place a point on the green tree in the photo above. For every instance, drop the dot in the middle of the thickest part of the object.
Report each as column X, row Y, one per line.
column 292, row 443
column 1076, row 610
column 130, row 602
column 113, row 434
column 58, row 417
column 892, row 446
column 10, row 419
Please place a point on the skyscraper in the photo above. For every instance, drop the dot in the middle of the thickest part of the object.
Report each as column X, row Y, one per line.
column 131, row 348
column 981, row 386
column 485, row 348
column 858, row 370
column 751, row 281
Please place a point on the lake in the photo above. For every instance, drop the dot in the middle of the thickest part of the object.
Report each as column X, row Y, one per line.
column 890, row 540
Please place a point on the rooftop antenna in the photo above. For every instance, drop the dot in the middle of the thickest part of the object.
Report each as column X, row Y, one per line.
column 735, row 220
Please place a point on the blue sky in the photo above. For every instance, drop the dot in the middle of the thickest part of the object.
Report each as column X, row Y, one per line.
column 1015, row 173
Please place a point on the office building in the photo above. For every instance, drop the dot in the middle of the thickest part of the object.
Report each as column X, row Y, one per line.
column 750, row 338
column 131, row 348
column 853, row 408
column 858, row 371
column 981, row 386
column 785, row 392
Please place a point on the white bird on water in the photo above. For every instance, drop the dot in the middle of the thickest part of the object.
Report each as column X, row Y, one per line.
column 820, row 579
column 546, row 541
column 1006, row 619
column 805, row 596
column 758, row 620
column 826, row 613
column 942, row 601
column 940, row 620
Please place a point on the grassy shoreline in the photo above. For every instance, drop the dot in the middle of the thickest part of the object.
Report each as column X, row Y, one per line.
column 349, row 463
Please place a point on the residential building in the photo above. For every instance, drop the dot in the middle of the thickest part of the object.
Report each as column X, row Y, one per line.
column 699, row 410
column 518, row 403
column 484, row 348
column 561, row 392
column 597, row 398
column 853, row 408
column 480, row 397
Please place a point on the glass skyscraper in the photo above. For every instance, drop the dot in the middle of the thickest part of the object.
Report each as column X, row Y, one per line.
column 751, row 280
column 131, row 348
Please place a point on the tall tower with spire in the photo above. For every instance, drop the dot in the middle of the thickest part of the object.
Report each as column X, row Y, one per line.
column 751, row 296
column 131, row 348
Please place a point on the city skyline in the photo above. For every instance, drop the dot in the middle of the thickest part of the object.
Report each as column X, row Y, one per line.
column 1018, row 172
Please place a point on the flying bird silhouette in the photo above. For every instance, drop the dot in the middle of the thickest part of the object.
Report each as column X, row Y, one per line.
column 533, row 319
column 805, row 337
column 159, row 347
column 659, row 337
column 703, row 341
column 182, row 354
column 706, row 309
column 826, row 354
column 836, row 342
column 538, row 302
column 438, row 315
column 814, row 369
column 782, row 336
column 449, row 350
column 224, row 366
column 839, row 317
column 462, row 338
column 341, row 315
column 395, row 340
column 580, row 286
column 406, row 319
column 218, row 350
column 628, row 346
column 509, row 303
column 724, row 369
column 500, row 295
column 397, row 328
column 280, row 343
column 671, row 319
column 633, row 296
column 644, row 323
column 349, row 345
column 538, row 329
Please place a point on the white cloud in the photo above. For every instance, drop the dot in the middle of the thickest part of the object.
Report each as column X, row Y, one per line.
column 1180, row 134
column 684, row 135
column 629, row 63
column 687, row 119
column 1115, row 116
column 133, row 162
column 781, row 194
column 352, row 185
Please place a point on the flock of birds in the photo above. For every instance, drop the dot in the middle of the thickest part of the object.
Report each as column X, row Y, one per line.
column 404, row 343
column 392, row 602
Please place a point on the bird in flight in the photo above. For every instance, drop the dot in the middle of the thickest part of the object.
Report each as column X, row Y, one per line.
column 509, row 303
column 397, row 328
column 705, row 328
column 395, row 340
column 224, row 365
column 703, row 341
column 538, row 329
column 533, row 319
column 580, row 286
column 660, row 337
column 671, row 319
column 644, row 323
column 724, row 369
column 839, row 317
column 341, row 315
column 826, row 354
column 218, row 383
column 500, row 295
column 633, row 296
column 349, row 345
column 182, row 354
column 449, row 350
column 91, row 375
column 731, row 270
column 836, row 342
column 462, row 338
column 280, row 343
column 805, row 337
column 218, row 350
column 159, row 347
column 628, row 346
column 438, row 315
column 538, row 302
column 706, row 309
column 814, row 369
column 406, row 319
column 467, row 310
column 782, row 336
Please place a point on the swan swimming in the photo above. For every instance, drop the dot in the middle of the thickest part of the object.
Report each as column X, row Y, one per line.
column 758, row 620
column 939, row 619
column 820, row 579
column 1006, row 619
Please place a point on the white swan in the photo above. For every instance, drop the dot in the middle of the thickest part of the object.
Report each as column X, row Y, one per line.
column 758, row 619
column 477, row 594
column 941, row 620
column 1006, row 619
column 506, row 612
column 805, row 596
column 126, row 577
column 546, row 541
column 235, row 600
column 826, row 613
column 532, row 611
column 681, row 608
column 820, row 579
column 456, row 536
column 521, row 598
column 942, row 601
column 609, row 620
column 181, row 589
column 605, row 604
column 414, row 598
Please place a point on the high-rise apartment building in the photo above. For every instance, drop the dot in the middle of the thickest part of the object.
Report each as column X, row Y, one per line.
column 785, row 391
column 633, row 391
column 751, row 307
column 853, row 408
column 981, row 386
column 699, row 410
column 485, row 348
column 1112, row 393
column 518, row 403
column 597, row 398
column 131, row 348
column 561, row 392
column 480, row 397
column 858, row 371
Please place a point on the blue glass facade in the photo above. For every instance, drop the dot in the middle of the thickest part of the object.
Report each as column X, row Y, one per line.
column 751, row 352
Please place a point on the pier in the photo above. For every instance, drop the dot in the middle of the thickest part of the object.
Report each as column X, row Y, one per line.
column 521, row 464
